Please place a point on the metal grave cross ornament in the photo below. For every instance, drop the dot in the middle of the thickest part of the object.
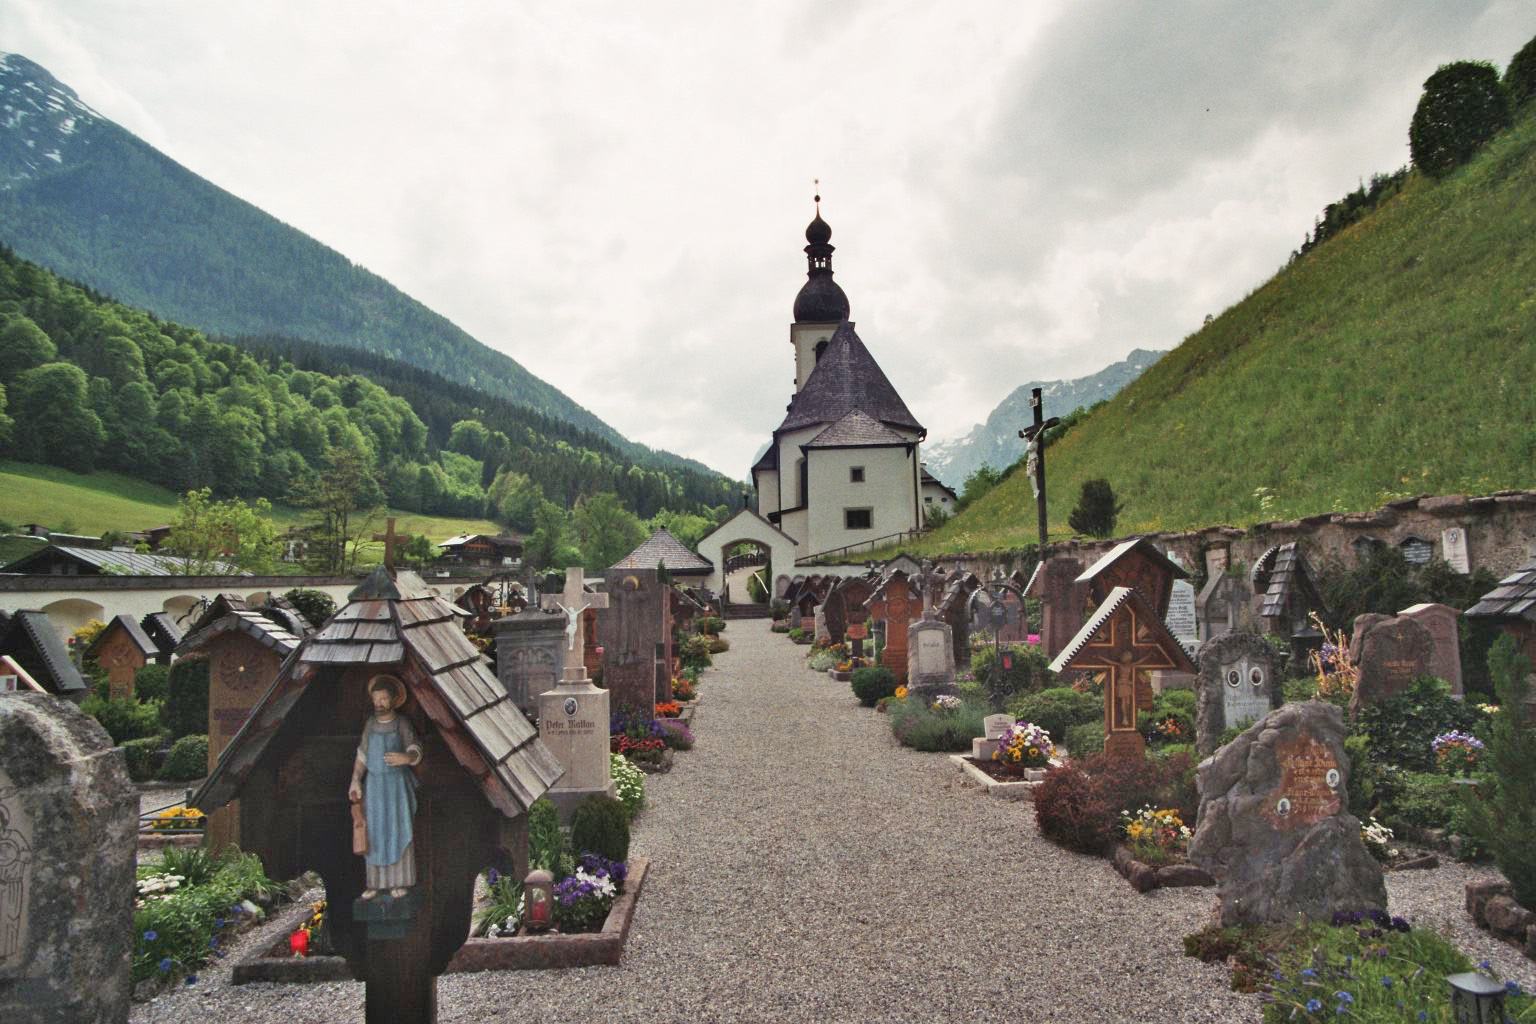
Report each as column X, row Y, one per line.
column 573, row 600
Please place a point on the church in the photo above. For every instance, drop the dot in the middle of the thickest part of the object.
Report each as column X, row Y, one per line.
column 844, row 467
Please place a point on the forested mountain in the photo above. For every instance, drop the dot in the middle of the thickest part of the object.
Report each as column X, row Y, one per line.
column 91, row 383
column 90, row 200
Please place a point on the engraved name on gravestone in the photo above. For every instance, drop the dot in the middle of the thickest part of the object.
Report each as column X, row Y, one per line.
column 995, row 725
column 1181, row 612
column 1442, row 622
column 1310, row 781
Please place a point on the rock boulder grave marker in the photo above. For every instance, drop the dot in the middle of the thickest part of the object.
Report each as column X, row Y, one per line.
column 1389, row 652
column 1238, row 683
column 1274, row 824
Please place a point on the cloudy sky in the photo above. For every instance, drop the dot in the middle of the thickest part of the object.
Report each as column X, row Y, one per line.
column 615, row 193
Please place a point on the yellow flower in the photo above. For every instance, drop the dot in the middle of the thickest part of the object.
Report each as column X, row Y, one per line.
column 901, row 693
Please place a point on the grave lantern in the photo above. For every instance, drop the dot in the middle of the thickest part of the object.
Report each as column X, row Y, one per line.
column 539, row 900
column 1476, row 999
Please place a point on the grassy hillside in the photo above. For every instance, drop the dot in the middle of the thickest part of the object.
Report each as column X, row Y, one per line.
column 96, row 502
column 1398, row 358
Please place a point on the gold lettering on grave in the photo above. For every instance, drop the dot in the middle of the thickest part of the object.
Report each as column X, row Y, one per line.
column 1309, row 784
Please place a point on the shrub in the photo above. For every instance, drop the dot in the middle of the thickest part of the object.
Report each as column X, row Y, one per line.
column 314, row 605
column 1096, row 509
column 778, row 608
column 1086, row 739
column 187, row 760
column 797, row 634
column 124, row 718
column 710, row 625
column 870, row 684
column 1068, row 812
column 675, row 734
column 142, row 755
column 186, row 700
column 1029, row 672
column 177, row 933
column 921, row 726
column 1129, row 783
column 718, row 645
column 1463, row 106
column 150, row 683
column 547, row 847
column 601, row 825
column 1505, row 821
column 628, row 782
column 1520, row 76
column 1418, row 800
column 694, row 652
column 1058, row 709
column 1402, row 729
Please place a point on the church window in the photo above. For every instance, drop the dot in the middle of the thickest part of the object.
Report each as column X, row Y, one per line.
column 928, row 499
column 858, row 518
column 856, row 474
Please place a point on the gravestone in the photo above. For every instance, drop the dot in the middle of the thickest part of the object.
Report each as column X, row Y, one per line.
column 630, row 629
column 895, row 604
column 1389, row 652
column 530, row 653
column 1443, row 623
column 993, row 727
column 1225, row 605
column 122, row 649
column 68, row 825
column 1239, row 683
column 1055, row 584
column 1181, row 620
column 823, row 634
column 955, row 610
column 573, row 716
column 930, row 658
column 845, row 605
column 1274, row 823
column 1453, row 549
column 1416, row 550
column 1015, row 626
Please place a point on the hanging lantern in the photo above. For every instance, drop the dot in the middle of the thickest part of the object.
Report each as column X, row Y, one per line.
column 1476, row 999
column 539, row 900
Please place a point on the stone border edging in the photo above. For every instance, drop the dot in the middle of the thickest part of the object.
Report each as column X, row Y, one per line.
column 1001, row 790
column 522, row 953
column 1145, row 877
column 1491, row 903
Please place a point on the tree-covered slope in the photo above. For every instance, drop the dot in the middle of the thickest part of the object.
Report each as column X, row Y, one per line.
column 1397, row 358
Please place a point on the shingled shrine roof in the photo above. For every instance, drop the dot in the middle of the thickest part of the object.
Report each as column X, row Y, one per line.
column 1120, row 550
column 399, row 622
column 31, row 635
column 661, row 548
column 255, row 625
column 161, row 628
column 856, row 430
column 1277, row 574
column 847, row 378
column 1148, row 619
column 135, row 632
column 1513, row 598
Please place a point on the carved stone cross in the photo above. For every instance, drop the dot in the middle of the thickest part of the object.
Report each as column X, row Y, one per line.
column 390, row 539
column 573, row 600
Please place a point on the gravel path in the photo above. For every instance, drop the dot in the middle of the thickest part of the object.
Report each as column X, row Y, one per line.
column 807, row 868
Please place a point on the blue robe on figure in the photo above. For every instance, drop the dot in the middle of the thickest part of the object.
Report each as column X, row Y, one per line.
column 389, row 802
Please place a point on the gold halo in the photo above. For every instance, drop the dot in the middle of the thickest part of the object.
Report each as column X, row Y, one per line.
column 395, row 683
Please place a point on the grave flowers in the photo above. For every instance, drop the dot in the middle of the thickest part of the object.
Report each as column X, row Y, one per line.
column 1456, row 752
column 1023, row 745
column 668, row 709
column 1155, row 836
column 583, row 900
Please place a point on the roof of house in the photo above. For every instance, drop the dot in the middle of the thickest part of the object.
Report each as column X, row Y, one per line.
column 768, row 461
column 34, row 630
column 398, row 622
column 135, row 632
column 127, row 563
column 857, row 430
column 1147, row 619
column 929, row 478
column 847, row 378
column 1124, row 548
column 1513, row 598
column 502, row 540
column 661, row 548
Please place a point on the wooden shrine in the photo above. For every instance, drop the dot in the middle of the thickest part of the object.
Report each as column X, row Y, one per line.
column 1136, row 564
column 122, row 648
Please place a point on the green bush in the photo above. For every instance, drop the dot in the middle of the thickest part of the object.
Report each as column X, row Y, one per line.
column 778, row 608
column 709, row 625
column 142, row 754
column 870, row 684
column 797, row 634
column 1030, row 672
column 124, row 718
column 1171, row 720
column 694, row 652
column 186, row 700
column 314, row 605
column 918, row 725
column 600, row 825
column 150, row 683
column 1058, row 709
column 547, row 847
column 718, row 645
column 1418, row 800
column 1401, row 728
column 1086, row 739
column 187, row 760
column 1463, row 106
column 173, row 935
column 1504, row 821
column 1520, row 76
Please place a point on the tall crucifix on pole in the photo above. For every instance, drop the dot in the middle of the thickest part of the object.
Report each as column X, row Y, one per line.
column 1035, row 435
column 573, row 601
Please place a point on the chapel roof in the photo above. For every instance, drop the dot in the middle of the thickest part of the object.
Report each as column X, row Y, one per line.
column 821, row 300
column 664, row 549
column 856, row 430
column 847, row 378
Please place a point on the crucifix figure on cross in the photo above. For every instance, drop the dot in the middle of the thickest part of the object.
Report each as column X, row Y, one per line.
column 573, row 600
column 1035, row 435
column 390, row 539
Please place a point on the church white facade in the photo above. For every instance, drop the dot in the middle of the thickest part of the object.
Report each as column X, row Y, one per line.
column 844, row 467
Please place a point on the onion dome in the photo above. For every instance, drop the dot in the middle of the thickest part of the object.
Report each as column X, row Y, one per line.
column 821, row 299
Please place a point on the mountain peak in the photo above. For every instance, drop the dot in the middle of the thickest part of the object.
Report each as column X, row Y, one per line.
column 43, row 122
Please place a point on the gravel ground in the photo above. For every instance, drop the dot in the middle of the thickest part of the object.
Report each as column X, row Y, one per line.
column 804, row 867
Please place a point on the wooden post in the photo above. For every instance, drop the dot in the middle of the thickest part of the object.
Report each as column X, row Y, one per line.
column 390, row 539
column 1035, row 435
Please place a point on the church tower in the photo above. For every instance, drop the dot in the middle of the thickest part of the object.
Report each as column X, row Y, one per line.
column 821, row 304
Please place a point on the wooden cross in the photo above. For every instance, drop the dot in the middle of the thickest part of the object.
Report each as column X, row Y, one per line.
column 574, row 600
column 390, row 539
column 1035, row 435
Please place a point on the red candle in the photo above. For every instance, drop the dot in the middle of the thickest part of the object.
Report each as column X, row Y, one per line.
column 299, row 942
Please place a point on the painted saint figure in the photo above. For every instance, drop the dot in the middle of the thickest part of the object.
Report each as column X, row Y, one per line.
column 382, row 782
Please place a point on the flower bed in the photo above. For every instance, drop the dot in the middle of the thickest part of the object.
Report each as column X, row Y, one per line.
column 185, row 906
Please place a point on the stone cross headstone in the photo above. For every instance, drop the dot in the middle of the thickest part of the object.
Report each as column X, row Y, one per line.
column 1453, row 549
column 630, row 630
column 68, row 846
column 1443, row 623
column 1389, row 652
column 1239, row 683
column 1224, row 605
column 572, row 602
column 1274, row 823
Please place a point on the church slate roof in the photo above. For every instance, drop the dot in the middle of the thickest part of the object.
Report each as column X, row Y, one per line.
column 856, row 430
column 770, row 460
column 663, row 548
column 846, row 379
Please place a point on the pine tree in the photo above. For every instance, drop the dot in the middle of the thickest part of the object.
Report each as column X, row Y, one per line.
column 1096, row 509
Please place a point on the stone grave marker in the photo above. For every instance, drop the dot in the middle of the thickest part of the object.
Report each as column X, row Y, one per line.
column 1274, row 823
column 930, row 658
column 1181, row 613
column 1443, row 623
column 1055, row 584
column 573, row 716
column 1453, row 549
column 1015, row 628
column 1224, row 605
column 68, row 847
column 993, row 727
column 630, row 629
column 895, row 604
column 1389, row 652
column 1239, row 683
column 530, row 654
column 955, row 610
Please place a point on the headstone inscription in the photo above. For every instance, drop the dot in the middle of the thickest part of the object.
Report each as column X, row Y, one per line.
column 1443, row 623
column 1453, row 549
column 1274, row 823
column 930, row 658
column 573, row 716
column 1239, row 683
column 1125, row 641
column 993, row 727
column 1389, row 652
column 894, row 604
column 1181, row 613
column 630, row 629
column 68, row 823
